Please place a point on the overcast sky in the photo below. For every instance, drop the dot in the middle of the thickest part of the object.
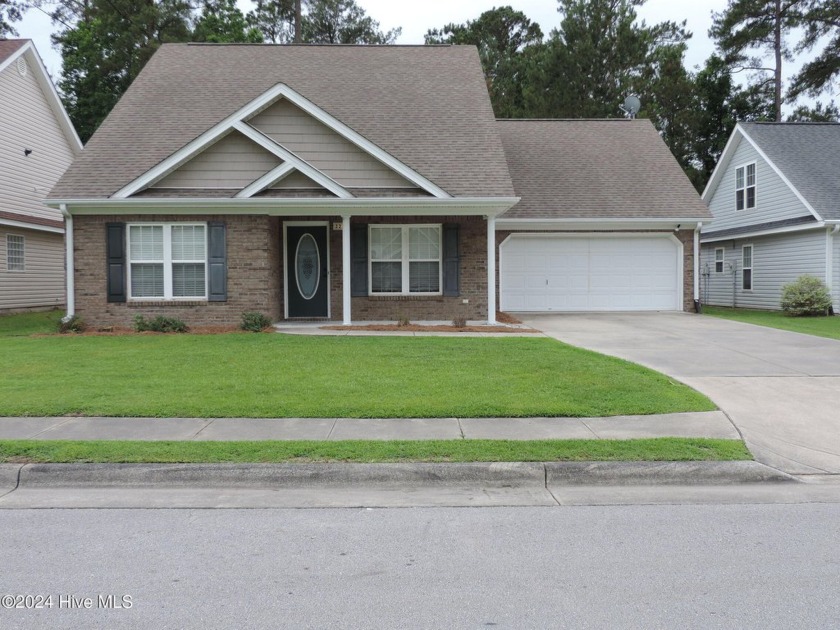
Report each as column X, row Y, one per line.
column 417, row 17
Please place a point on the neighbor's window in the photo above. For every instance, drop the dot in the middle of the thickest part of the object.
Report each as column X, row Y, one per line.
column 745, row 187
column 747, row 267
column 405, row 259
column 15, row 253
column 719, row 260
column 167, row 261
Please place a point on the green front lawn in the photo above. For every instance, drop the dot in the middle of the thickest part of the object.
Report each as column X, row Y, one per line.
column 661, row 449
column 819, row 326
column 23, row 324
column 273, row 375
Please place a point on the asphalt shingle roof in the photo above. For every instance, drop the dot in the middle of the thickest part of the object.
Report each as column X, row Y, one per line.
column 8, row 47
column 425, row 105
column 612, row 168
column 809, row 156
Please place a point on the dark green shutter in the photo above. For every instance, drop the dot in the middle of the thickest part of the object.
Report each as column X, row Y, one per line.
column 216, row 262
column 359, row 257
column 115, row 252
column 451, row 261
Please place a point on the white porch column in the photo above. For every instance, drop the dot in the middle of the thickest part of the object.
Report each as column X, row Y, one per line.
column 345, row 269
column 70, row 281
column 491, row 270
column 697, row 263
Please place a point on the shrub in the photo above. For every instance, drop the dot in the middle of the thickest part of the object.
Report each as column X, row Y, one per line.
column 459, row 322
column 806, row 296
column 403, row 320
column 73, row 324
column 255, row 322
column 159, row 324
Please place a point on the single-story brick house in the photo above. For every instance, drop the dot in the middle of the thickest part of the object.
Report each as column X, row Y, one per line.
column 364, row 183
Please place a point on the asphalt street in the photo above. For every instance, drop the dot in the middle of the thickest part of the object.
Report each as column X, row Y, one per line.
column 675, row 566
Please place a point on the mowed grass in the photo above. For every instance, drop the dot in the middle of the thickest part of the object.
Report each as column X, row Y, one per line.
column 23, row 324
column 272, row 375
column 660, row 449
column 819, row 326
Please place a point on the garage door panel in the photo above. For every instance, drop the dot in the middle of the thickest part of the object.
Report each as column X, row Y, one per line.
column 594, row 273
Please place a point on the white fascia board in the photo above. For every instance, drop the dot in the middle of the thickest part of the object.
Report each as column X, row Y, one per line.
column 31, row 226
column 781, row 175
column 711, row 238
column 269, row 179
column 723, row 162
column 649, row 223
column 287, row 156
column 380, row 206
column 50, row 93
column 363, row 143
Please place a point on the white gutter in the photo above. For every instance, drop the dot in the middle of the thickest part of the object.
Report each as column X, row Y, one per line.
column 581, row 223
column 69, row 264
column 711, row 238
column 31, row 226
column 697, row 264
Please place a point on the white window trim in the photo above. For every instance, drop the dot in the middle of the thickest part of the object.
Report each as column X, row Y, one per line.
column 9, row 268
column 746, row 187
column 722, row 260
column 167, row 262
column 406, row 259
column 750, row 268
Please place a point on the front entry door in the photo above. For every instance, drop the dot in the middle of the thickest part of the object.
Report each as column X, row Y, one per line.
column 307, row 275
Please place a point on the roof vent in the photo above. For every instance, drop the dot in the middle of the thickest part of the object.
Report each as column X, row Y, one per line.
column 22, row 68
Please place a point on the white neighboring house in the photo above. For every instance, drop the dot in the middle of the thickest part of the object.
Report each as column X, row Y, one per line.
column 775, row 198
column 37, row 144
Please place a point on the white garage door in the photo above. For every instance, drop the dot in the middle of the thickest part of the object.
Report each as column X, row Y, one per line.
column 563, row 273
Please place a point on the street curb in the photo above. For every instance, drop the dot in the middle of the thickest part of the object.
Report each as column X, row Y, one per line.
column 660, row 473
column 9, row 476
column 393, row 475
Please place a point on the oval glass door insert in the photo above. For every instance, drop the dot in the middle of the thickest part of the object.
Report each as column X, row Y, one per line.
column 307, row 267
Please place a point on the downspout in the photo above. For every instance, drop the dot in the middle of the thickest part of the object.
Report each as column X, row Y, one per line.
column 69, row 265
column 697, row 306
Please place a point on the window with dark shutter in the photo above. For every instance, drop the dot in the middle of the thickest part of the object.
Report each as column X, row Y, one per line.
column 115, row 252
column 451, row 261
column 216, row 262
column 359, row 260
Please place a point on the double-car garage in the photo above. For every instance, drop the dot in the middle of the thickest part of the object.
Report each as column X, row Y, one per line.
column 551, row 272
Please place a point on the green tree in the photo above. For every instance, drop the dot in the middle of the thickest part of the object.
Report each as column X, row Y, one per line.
column 822, row 24
column 748, row 30
column 342, row 22
column 221, row 21
column 10, row 12
column 107, row 46
column 506, row 40
column 275, row 19
column 818, row 113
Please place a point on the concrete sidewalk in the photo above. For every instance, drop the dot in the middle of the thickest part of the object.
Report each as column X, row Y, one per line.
column 713, row 424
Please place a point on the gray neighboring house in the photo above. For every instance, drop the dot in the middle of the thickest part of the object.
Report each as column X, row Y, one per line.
column 37, row 144
column 364, row 183
column 775, row 197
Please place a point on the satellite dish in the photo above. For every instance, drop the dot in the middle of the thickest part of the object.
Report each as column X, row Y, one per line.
column 632, row 105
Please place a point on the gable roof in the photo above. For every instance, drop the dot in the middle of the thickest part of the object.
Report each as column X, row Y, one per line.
column 426, row 106
column 13, row 49
column 808, row 154
column 599, row 169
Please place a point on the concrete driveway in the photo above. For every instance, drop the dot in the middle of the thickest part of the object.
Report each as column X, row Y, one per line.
column 780, row 389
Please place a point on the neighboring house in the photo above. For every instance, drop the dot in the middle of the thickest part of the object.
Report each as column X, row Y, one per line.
column 775, row 197
column 37, row 144
column 364, row 183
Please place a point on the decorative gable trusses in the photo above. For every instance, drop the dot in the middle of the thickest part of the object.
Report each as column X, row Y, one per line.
column 240, row 122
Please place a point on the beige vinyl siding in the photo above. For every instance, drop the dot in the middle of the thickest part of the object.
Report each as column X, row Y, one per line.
column 774, row 199
column 324, row 149
column 297, row 180
column 777, row 260
column 28, row 122
column 42, row 281
column 232, row 162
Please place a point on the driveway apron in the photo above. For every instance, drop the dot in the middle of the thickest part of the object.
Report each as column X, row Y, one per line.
column 780, row 389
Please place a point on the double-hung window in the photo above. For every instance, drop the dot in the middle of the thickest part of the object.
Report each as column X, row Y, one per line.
column 745, row 187
column 747, row 267
column 15, row 253
column 719, row 259
column 405, row 259
column 167, row 261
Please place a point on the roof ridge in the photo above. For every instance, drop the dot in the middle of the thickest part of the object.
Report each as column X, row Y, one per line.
column 315, row 45
column 566, row 119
